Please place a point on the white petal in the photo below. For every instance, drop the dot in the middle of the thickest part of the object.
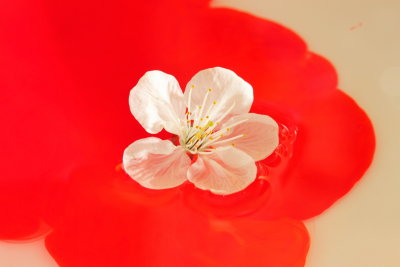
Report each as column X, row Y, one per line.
column 228, row 90
column 157, row 102
column 225, row 171
column 156, row 163
column 261, row 134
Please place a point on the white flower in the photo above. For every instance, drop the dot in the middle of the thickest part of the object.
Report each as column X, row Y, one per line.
column 219, row 141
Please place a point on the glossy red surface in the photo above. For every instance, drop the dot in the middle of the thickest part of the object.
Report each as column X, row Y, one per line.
column 67, row 70
column 114, row 224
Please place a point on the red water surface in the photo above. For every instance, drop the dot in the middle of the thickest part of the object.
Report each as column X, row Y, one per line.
column 66, row 71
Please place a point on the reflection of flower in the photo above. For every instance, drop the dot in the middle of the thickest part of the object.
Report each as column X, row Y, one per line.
column 213, row 127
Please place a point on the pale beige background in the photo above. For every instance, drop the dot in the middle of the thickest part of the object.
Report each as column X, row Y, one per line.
column 362, row 39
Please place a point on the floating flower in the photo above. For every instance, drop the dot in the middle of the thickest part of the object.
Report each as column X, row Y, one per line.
column 65, row 82
column 219, row 141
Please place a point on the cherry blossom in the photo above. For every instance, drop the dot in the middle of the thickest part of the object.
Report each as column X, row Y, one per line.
column 219, row 141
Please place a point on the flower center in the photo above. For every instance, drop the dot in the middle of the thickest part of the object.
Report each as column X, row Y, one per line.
column 201, row 131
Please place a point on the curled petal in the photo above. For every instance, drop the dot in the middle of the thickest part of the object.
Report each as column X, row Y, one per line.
column 227, row 170
column 157, row 102
column 156, row 163
column 260, row 134
column 226, row 92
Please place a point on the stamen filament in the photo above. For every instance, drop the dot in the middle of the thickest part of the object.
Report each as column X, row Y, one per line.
column 204, row 103
column 230, row 126
column 198, row 130
column 225, row 113
column 229, row 139
column 208, row 113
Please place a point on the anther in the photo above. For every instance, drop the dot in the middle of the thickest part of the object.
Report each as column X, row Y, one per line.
column 192, row 86
column 215, row 102
column 209, row 89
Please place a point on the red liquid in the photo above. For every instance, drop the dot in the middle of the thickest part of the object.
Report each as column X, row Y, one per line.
column 66, row 72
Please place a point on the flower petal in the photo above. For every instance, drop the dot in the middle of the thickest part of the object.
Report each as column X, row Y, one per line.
column 225, row 171
column 261, row 134
column 228, row 91
column 156, row 163
column 157, row 102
